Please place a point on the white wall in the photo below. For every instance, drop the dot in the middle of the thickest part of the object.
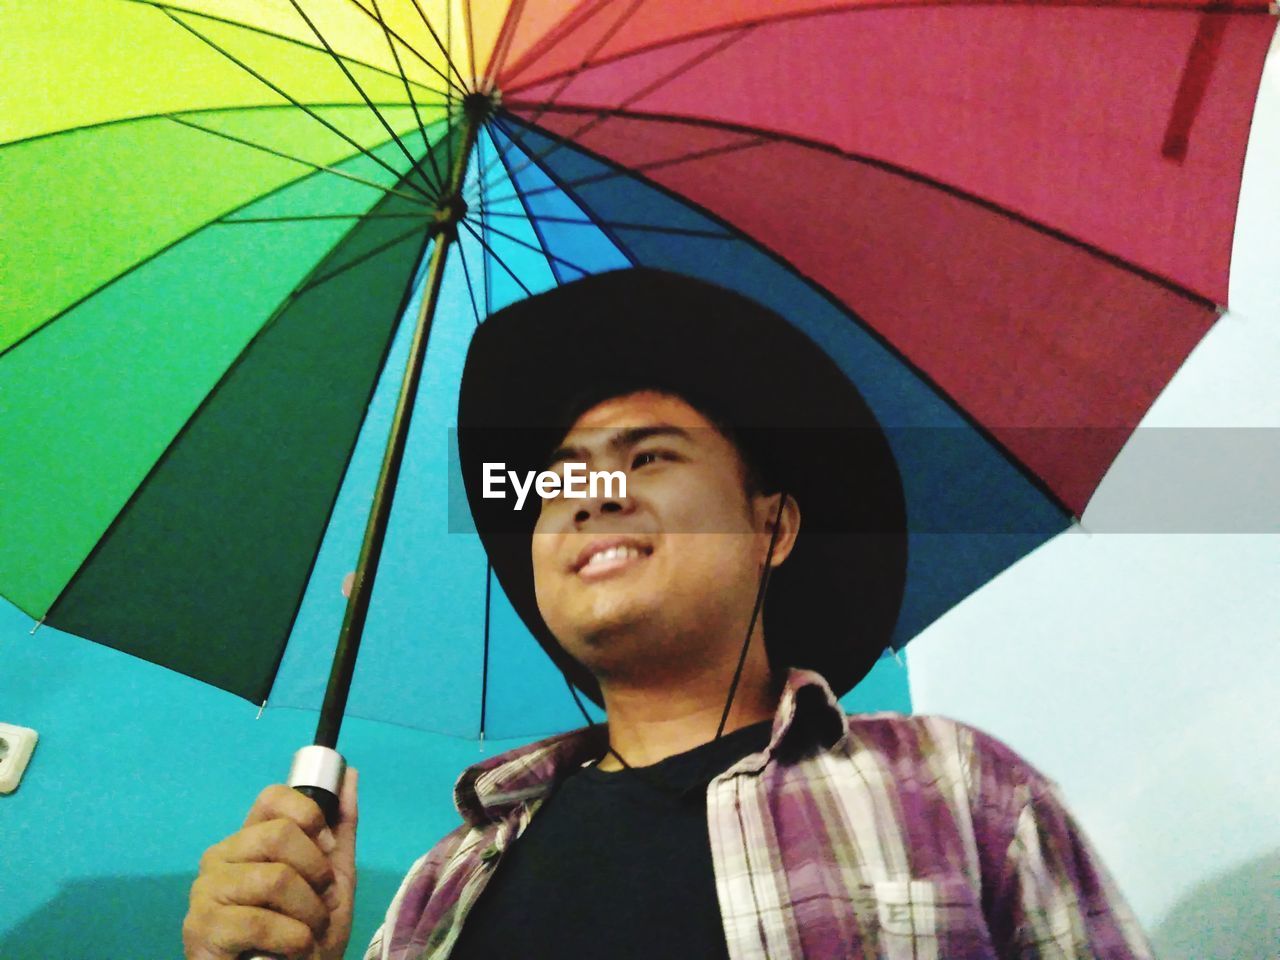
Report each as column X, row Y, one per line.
column 1140, row 670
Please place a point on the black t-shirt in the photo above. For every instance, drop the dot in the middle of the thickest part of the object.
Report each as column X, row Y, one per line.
column 612, row 866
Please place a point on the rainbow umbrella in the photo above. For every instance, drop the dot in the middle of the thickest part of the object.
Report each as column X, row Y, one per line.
column 246, row 243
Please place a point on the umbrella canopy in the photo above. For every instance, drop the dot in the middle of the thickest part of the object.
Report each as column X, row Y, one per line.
column 228, row 231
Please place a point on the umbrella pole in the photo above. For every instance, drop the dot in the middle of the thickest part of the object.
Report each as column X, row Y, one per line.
column 318, row 770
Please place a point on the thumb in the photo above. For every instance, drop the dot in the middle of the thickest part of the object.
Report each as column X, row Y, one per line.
column 344, row 832
column 343, row 853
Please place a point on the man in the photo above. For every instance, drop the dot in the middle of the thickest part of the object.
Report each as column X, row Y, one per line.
column 729, row 808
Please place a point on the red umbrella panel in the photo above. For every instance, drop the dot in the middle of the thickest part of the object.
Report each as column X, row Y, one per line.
column 1033, row 204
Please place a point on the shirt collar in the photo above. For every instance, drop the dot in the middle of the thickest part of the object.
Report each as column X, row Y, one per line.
column 489, row 790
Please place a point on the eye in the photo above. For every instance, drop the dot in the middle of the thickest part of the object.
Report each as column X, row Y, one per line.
column 644, row 457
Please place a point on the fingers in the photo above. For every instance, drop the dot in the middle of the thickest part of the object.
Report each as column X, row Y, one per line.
column 238, row 929
column 274, row 886
column 263, row 906
column 348, row 811
column 276, row 841
column 278, row 802
column 339, row 897
column 282, row 884
column 347, row 802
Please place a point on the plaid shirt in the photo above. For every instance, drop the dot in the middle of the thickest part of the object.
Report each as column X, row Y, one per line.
column 883, row 836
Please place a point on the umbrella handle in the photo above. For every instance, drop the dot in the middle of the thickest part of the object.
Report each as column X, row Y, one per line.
column 317, row 773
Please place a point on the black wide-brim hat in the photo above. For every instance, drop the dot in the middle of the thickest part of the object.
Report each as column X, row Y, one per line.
column 832, row 605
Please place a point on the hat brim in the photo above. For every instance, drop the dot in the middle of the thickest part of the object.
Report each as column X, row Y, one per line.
column 832, row 605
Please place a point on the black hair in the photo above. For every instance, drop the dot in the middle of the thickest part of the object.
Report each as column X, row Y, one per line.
column 756, row 476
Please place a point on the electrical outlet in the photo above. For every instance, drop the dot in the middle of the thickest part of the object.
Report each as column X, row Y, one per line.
column 16, row 744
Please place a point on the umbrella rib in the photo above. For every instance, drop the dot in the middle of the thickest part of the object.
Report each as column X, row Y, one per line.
column 471, row 38
column 564, row 27
column 164, row 7
column 535, row 247
column 617, row 225
column 520, row 283
column 461, row 85
column 1031, row 476
column 617, row 171
column 466, row 272
column 484, row 258
column 466, row 268
column 569, row 78
column 487, row 271
column 769, row 136
column 448, row 59
column 181, row 432
column 405, row 299
column 599, row 224
column 354, row 262
column 414, row 165
column 601, row 117
column 319, row 167
column 599, row 45
column 438, row 183
column 399, row 175
column 502, row 44
column 182, row 113
column 537, row 230
column 462, row 81
column 1259, row 7
column 303, row 217
column 165, row 248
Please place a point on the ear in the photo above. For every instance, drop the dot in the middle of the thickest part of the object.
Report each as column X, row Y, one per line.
column 766, row 512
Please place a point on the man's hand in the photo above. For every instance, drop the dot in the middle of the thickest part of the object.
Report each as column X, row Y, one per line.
column 284, row 883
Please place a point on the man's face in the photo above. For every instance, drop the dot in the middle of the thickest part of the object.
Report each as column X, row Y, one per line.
column 664, row 579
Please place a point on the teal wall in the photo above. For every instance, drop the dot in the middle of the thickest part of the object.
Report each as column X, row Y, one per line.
column 138, row 770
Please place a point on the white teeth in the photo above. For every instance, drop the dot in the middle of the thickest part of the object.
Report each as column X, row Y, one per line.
column 613, row 553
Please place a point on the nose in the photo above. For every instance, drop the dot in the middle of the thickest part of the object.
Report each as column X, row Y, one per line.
column 600, row 506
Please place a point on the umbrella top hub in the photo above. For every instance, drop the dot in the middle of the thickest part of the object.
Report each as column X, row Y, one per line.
column 480, row 105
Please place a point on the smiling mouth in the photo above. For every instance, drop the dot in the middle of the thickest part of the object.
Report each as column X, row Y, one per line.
column 612, row 558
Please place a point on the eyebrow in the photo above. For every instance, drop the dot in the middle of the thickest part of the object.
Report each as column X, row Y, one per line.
column 627, row 437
